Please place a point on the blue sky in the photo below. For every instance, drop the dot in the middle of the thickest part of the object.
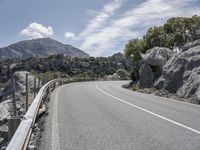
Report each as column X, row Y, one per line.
column 99, row 27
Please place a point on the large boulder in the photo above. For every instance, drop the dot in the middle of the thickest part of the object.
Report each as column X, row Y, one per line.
column 179, row 71
column 146, row 76
column 153, row 62
column 123, row 74
column 172, row 76
column 120, row 74
column 157, row 56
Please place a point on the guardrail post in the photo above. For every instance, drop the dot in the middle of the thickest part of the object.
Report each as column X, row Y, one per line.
column 26, row 92
column 54, row 85
column 48, row 94
column 34, row 90
column 48, row 90
column 59, row 83
column 44, row 80
column 13, row 123
column 38, row 84
column 13, row 95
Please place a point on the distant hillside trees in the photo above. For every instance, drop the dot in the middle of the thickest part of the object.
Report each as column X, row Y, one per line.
column 66, row 65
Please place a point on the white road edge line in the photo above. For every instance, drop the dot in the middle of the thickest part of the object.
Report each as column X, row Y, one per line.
column 169, row 99
column 150, row 112
column 55, row 141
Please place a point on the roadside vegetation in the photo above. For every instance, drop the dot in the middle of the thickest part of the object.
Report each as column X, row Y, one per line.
column 175, row 33
column 167, row 60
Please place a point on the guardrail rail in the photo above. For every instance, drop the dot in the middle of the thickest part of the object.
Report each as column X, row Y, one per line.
column 21, row 138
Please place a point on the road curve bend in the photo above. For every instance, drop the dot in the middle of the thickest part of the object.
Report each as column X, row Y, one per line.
column 104, row 116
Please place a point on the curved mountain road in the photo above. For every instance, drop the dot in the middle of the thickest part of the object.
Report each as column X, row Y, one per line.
column 104, row 116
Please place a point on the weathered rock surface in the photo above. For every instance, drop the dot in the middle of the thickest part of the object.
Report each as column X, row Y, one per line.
column 151, row 69
column 157, row 56
column 146, row 76
column 190, row 45
column 191, row 87
column 181, row 74
column 120, row 74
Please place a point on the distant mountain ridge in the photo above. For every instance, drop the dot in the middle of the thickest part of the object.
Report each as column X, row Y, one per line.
column 39, row 48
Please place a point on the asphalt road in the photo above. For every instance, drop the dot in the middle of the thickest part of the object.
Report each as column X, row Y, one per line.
column 104, row 116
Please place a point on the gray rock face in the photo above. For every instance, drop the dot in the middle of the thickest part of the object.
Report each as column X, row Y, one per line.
column 120, row 74
column 146, row 76
column 39, row 48
column 159, row 84
column 181, row 73
column 172, row 77
column 154, row 60
column 191, row 87
column 157, row 56
column 190, row 45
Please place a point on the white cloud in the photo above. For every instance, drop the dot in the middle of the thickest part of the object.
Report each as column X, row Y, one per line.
column 91, row 13
column 70, row 35
column 36, row 30
column 102, row 17
column 103, row 32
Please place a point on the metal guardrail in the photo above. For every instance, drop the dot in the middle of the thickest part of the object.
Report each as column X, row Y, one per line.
column 21, row 138
column 3, row 132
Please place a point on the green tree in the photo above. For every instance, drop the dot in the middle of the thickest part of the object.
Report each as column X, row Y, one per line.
column 134, row 48
column 132, row 51
column 175, row 32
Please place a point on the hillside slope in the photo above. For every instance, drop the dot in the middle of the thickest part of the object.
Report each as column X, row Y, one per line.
column 39, row 48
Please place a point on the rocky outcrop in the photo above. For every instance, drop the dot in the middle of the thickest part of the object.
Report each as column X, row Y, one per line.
column 191, row 87
column 181, row 74
column 120, row 74
column 153, row 62
column 157, row 56
column 190, row 45
column 72, row 66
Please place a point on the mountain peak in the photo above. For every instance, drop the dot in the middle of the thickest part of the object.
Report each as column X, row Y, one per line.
column 39, row 48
